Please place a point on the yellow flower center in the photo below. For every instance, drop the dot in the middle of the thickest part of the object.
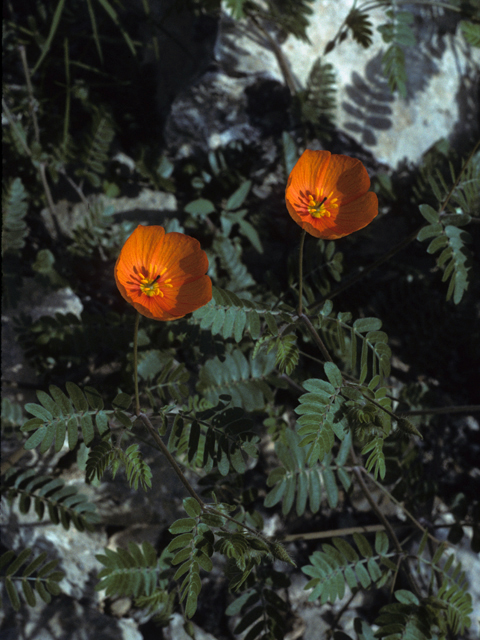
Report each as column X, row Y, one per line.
column 151, row 285
column 316, row 206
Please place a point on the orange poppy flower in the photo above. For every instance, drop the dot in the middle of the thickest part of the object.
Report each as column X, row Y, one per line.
column 163, row 274
column 327, row 195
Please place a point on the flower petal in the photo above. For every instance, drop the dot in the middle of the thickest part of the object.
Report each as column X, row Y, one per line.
column 355, row 215
column 327, row 195
column 346, row 177
column 177, row 302
column 181, row 264
column 307, row 173
column 140, row 249
column 182, row 257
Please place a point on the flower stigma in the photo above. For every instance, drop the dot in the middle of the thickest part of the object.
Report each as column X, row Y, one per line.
column 151, row 287
column 316, row 206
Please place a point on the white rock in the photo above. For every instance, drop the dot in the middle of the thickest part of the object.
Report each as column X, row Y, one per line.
column 441, row 85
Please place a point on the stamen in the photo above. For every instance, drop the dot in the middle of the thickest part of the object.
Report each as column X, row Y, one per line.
column 316, row 205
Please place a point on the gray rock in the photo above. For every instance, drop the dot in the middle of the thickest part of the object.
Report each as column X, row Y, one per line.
column 440, row 98
column 34, row 301
column 68, row 217
column 176, row 630
column 66, row 619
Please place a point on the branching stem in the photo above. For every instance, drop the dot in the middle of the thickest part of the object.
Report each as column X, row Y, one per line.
column 398, row 247
column 16, row 130
column 135, row 364
column 401, row 506
column 467, row 408
column 205, row 507
column 300, row 274
column 318, row 341
column 150, row 428
column 31, row 99
column 357, row 471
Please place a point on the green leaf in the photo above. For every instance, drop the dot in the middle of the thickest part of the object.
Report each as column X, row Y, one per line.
column 437, row 243
column 429, row 213
column 14, row 210
column 180, row 542
column 471, row 32
column 17, row 563
column 406, row 597
column 363, row 545
column 302, row 493
column 76, row 394
column 35, row 439
column 429, row 231
column 363, row 576
column 333, row 374
column 182, row 526
column 290, row 153
column 251, row 233
column 192, row 507
column 381, row 543
column 276, row 494
column 53, row 28
column 94, row 398
column 12, row 594
column 200, row 207
column 364, row 325
column 236, row 606
column 238, row 197
column 330, row 487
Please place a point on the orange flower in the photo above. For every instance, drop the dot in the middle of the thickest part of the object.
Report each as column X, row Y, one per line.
column 327, row 195
column 163, row 275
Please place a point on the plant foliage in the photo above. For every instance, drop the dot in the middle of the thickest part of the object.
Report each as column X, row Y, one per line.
column 294, row 482
column 320, row 415
column 455, row 259
column 63, row 504
column 398, row 33
column 96, row 147
column 14, row 210
column 60, row 416
column 38, row 577
column 244, row 380
column 129, row 572
column 363, row 338
column 360, row 26
column 318, row 100
column 218, row 437
column 230, row 316
column 105, row 455
column 339, row 565
column 260, row 610
column 289, row 418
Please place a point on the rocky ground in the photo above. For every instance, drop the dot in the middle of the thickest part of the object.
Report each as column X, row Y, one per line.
column 237, row 91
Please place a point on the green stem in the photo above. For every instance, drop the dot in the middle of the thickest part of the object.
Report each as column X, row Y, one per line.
column 300, row 274
column 31, row 98
column 366, row 492
column 400, row 505
column 366, row 270
column 205, row 507
column 469, row 408
column 398, row 247
column 17, row 131
column 135, row 364
column 316, row 337
column 150, row 428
